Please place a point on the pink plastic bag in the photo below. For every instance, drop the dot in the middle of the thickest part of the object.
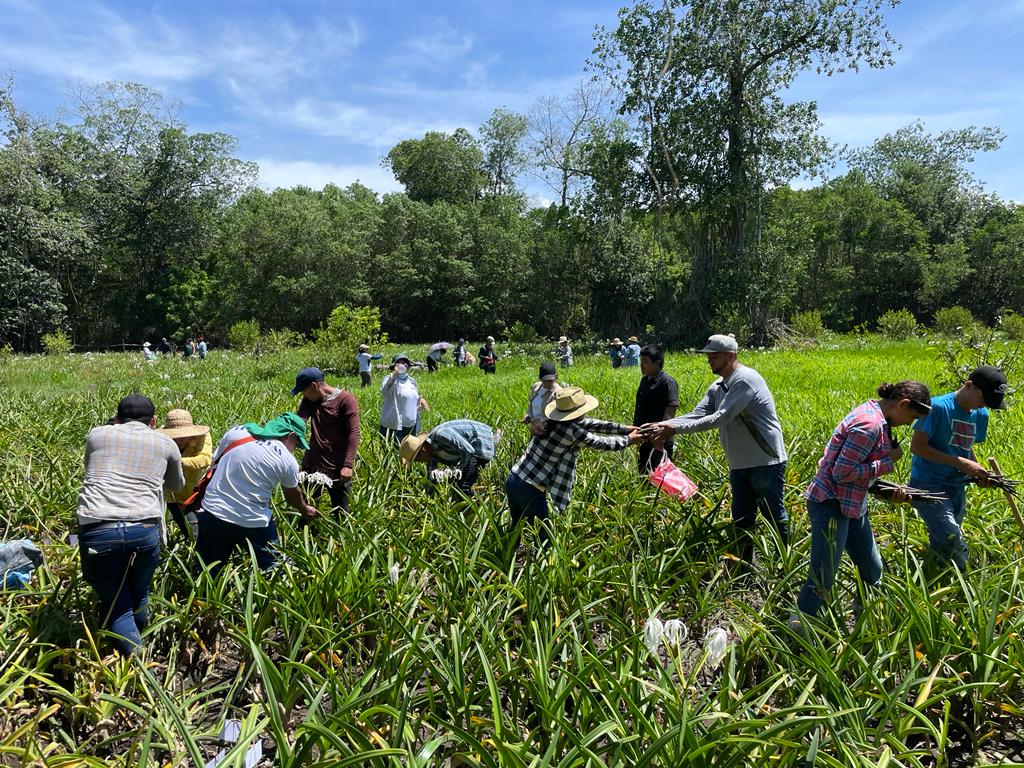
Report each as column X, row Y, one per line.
column 672, row 480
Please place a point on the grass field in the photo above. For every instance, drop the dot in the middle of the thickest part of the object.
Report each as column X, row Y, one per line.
column 409, row 634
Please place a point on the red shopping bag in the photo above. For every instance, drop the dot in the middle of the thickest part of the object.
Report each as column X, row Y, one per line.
column 672, row 480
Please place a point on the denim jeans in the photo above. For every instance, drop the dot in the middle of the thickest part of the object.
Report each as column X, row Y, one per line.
column 525, row 501
column 119, row 561
column 758, row 487
column 944, row 521
column 218, row 540
column 396, row 435
column 832, row 533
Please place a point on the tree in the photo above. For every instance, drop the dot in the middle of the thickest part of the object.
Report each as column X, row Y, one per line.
column 701, row 82
column 438, row 167
column 502, row 138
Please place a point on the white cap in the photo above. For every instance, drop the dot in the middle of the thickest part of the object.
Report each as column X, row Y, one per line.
column 720, row 343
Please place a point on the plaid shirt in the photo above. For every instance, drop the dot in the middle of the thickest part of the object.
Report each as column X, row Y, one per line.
column 455, row 441
column 858, row 452
column 550, row 460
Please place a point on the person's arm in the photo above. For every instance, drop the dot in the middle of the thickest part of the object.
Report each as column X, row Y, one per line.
column 622, row 436
column 202, row 459
column 388, row 382
column 602, row 427
column 852, row 466
column 297, row 501
column 736, row 399
column 352, row 426
column 919, row 446
column 174, row 478
column 376, row 357
column 452, row 442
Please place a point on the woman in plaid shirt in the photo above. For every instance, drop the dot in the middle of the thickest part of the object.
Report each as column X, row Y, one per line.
column 861, row 449
column 548, row 465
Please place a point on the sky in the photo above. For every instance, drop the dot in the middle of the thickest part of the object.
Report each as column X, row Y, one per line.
column 317, row 91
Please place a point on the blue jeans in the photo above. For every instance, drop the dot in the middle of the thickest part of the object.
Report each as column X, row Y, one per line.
column 944, row 521
column 396, row 435
column 119, row 561
column 832, row 533
column 525, row 501
column 758, row 487
column 218, row 540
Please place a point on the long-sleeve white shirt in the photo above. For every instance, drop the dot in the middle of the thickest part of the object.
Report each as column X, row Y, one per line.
column 399, row 406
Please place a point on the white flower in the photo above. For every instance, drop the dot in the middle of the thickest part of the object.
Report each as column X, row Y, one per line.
column 716, row 643
column 315, row 478
column 446, row 473
column 394, row 573
column 188, row 396
column 675, row 633
column 654, row 632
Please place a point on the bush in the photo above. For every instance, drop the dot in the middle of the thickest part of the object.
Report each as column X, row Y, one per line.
column 897, row 324
column 733, row 320
column 278, row 341
column 521, row 333
column 807, row 324
column 338, row 340
column 1012, row 325
column 955, row 321
column 244, row 336
column 57, row 343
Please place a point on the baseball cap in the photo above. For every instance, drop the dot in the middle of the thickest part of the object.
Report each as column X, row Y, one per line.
column 135, row 408
column 992, row 383
column 306, row 377
column 719, row 343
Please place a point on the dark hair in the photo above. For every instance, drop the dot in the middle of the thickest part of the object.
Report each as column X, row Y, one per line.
column 914, row 391
column 654, row 353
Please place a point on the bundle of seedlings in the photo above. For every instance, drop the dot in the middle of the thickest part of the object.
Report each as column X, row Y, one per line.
column 884, row 489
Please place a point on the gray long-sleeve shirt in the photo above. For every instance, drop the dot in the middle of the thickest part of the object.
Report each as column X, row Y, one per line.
column 742, row 409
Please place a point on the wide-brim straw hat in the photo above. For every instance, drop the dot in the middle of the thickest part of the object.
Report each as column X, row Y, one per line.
column 363, row 347
column 179, row 424
column 569, row 403
column 490, row 339
column 410, row 446
column 616, row 340
column 633, row 338
column 563, row 340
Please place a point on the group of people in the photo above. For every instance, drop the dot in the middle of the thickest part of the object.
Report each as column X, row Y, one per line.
column 195, row 346
column 133, row 469
column 622, row 355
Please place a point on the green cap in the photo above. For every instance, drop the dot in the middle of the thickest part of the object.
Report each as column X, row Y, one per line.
column 284, row 425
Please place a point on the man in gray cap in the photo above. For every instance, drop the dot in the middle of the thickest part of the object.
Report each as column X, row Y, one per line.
column 741, row 407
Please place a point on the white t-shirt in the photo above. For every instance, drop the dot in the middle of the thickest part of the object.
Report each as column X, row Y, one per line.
column 241, row 486
column 364, row 362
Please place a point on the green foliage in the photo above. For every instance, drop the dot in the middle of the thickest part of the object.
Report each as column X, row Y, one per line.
column 57, row 343
column 244, row 336
column 807, row 324
column 503, row 158
column 439, row 167
column 955, row 321
column 897, row 324
column 522, row 333
column 277, row 341
column 1012, row 325
column 338, row 340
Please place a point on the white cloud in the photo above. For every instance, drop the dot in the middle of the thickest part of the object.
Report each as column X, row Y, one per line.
column 290, row 173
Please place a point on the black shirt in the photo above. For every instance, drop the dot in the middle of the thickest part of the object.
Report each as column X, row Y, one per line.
column 653, row 396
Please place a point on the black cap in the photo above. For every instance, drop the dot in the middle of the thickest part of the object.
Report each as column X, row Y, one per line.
column 992, row 383
column 306, row 377
column 135, row 408
column 547, row 370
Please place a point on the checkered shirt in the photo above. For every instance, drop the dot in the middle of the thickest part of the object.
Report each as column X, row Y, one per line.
column 455, row 441
column 550, row 460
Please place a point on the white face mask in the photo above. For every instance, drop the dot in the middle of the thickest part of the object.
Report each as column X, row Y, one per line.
column 402, row 370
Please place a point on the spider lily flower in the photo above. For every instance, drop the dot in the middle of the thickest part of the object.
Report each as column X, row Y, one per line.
column 654, row 633
column 394, row 573
column 716, row 643
column 675, row 633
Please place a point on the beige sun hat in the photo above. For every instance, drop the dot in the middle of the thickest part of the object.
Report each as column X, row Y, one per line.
column 410, row 446
column 633, row 338
column 363, row 347
column 179, row 424
column 569, row 403
column 563, row 340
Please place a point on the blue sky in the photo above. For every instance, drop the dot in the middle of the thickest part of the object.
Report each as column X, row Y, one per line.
column 318, row 91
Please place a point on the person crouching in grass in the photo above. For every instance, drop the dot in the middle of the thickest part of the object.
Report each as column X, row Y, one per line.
column 193, row 440
column 128, row 467
column 860, row 450
column 462, row 444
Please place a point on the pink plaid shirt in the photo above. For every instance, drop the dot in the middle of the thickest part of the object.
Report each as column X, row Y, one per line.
column 857, row 453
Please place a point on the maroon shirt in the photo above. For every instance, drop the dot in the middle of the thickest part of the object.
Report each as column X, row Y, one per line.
column 334, row 432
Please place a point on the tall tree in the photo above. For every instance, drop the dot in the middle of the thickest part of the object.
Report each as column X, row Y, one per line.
column 439, row 167
column 502, row 139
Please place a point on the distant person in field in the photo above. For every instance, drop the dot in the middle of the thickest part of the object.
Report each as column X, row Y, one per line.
column 860, row 450
column 740, row 406
column 944, row 460
column 631, row 353
column 548, row 465
column 147, row 351
column 249, row 463
column 333, row 416
column 201, row 348
column 189, row 349
column 401, row 403
column 365, row 360
column 434, row 358
column 164, row 347
column 462, row 444
column 541, row 393
column 196, row 447
column 128, row 467
column 616, row 353
column 564, row 352
column 657, row 398
column 461, row 353
column 488, row 358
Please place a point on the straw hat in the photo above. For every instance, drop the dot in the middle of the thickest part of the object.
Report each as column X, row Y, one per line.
column 490, row 339
column 410, row 446
column 616, row 340
column 563, row 340
column 179, row 424
column 569, row 403
column 363, row 347
column 633, row 338
column 145, row 343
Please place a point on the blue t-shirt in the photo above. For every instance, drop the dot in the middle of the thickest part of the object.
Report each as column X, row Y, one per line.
column 952, row 430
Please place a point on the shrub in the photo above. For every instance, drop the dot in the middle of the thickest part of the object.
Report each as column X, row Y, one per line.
column 522, row 333
column 278, row 341
column 807, row 324
column 244, row 336
column 57, row 343
column 1012, row 325
column 955, row 321
column 897, row 324
column 733, row 319
column 338, row 340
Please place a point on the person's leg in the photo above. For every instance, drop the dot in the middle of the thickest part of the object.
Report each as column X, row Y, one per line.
column 145, row 541
column 863, row 551
column 364, row 379
column 431, row 365
column 105, row 564
column 340, row 493
column 216, row 542
column 960, row 552
column 470, row 473
column 744, row 512
column 264, row 545
column 769, row 485
column 525, row 503
column 945, row 539
column 644, row 465
column 829, row 529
